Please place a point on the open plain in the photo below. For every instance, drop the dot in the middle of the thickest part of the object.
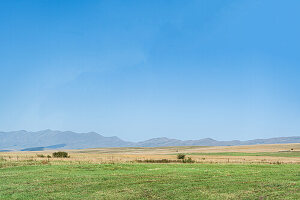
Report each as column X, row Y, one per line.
column 271, row 153
column 235, row 172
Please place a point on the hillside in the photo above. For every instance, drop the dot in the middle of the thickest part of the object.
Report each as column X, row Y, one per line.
column 49, row 139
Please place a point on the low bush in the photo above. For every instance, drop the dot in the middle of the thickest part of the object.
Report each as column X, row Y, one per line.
column 180, row 156
column 60, row 154
column 188, row 160
column 158, row 161
column 40, row 155
column 154, row 161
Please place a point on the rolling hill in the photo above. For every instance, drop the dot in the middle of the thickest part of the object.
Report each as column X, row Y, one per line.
column 49, row 139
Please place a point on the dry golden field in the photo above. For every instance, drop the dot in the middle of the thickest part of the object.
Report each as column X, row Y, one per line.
column 274, row 153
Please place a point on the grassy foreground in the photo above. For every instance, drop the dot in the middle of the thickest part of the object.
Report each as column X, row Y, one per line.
column 150, row 181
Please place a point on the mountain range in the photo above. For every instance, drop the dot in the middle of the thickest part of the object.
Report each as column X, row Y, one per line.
column 49, row 139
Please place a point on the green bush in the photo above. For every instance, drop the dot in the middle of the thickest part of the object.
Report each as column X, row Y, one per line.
column 188, row 160
column 40, row 155
column 180, row 156
column 60, row 154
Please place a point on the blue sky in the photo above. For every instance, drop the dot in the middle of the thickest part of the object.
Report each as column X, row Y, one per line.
column 143, row 69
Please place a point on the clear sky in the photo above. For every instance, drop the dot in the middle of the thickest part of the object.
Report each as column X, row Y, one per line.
column 143, row 69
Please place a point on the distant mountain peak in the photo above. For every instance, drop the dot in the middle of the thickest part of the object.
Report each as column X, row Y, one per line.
column 49, row 139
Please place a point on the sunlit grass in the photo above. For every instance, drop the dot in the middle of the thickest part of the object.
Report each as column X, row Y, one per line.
column 67, row 180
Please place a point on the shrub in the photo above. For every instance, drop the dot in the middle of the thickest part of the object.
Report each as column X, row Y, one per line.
column 277, row 163
column 48, row 156
column 158, row 161
column 154, row 161
column 60, row 154
column 180, row 156
column 40, row 155
column 188, row 160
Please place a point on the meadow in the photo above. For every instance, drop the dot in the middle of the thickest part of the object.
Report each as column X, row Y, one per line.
column 114, row 173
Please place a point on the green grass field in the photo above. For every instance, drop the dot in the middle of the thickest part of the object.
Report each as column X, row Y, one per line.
column 149, row 181
column 274, row 154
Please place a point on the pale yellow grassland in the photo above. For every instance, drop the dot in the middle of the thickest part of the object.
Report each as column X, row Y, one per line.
column 121, row 155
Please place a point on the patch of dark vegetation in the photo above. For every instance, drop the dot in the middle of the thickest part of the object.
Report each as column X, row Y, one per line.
column 43, row 156
column 188, row 160
column 158, row 161
column 276, row 163
column 180, row 156
column 60, row 154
